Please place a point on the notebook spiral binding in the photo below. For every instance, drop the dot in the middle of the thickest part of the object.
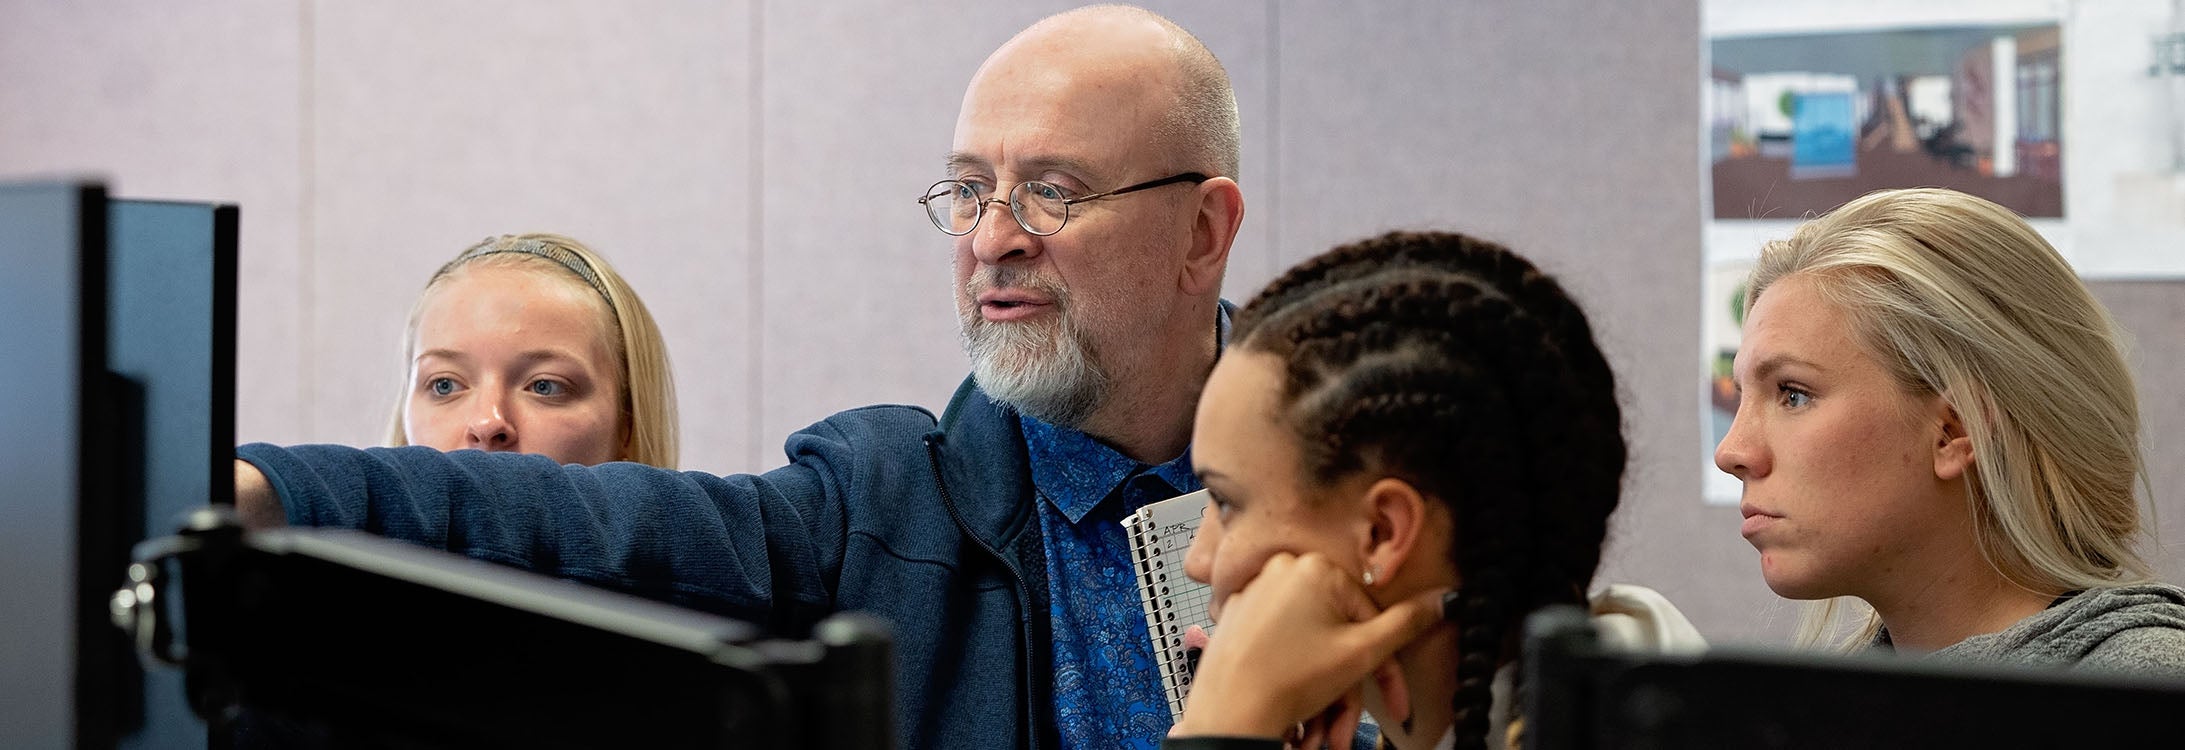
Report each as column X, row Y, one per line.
column 1159, row 535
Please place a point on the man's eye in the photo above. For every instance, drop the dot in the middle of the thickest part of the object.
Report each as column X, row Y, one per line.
column 1048, row 192
column 965, row 192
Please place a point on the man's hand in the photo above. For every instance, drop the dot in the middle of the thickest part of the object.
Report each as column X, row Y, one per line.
column 255, row 502
column 1297, row 645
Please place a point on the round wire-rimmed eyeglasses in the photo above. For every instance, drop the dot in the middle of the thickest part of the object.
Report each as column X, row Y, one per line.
column 1042, row 208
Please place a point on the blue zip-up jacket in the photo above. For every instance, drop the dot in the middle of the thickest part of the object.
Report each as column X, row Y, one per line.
column 880, row 509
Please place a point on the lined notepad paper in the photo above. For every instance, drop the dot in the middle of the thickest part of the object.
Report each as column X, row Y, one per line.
column 1160, row 534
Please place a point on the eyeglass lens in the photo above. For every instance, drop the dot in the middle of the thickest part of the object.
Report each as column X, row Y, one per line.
column 1041, row 208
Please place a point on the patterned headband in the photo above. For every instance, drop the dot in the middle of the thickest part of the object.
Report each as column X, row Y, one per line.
column 529, row 246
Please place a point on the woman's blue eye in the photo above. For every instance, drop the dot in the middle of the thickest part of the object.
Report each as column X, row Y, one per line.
column 546, row 388
column 1794, row 398
column 440, row 386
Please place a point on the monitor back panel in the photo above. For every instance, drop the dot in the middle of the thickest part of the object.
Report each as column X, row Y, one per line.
column 52, row 244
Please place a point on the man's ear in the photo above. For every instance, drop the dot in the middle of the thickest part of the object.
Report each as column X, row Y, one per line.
column 1953, row 446
column 1213, row 230
column 1397, row 516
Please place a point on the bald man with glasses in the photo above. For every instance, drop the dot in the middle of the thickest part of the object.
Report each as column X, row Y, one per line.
column 990, row 537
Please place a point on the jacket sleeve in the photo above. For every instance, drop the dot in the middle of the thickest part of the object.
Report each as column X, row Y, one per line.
column 764, row 548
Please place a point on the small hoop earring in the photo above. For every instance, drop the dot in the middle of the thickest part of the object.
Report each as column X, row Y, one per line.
column 1369, row 577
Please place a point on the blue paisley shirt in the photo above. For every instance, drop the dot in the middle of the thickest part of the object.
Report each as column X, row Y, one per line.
column 1107, row 691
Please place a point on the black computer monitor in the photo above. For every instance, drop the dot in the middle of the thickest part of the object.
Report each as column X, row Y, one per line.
column 118, row 414
column 58, row 658
column 331, row 637
column 116, row 407
column 171, row 332
column 1580, row 695
column 170, row 355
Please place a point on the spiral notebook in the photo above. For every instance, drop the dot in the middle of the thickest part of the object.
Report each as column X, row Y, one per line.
column 1160, row 534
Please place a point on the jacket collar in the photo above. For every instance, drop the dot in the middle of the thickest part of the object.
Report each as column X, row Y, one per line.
column 979, row 447
column 982, row 461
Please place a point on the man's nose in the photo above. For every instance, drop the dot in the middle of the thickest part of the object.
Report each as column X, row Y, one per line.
column 999, row 237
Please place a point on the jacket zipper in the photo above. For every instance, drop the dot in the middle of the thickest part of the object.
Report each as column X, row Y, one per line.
column 1024, row 621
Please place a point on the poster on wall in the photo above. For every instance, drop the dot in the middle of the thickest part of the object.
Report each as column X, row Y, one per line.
column 2071, row 113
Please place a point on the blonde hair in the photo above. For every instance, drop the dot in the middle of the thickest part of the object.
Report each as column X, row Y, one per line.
column 648, row 387
column 1959, row 297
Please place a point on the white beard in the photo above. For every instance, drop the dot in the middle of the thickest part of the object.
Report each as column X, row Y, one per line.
column 1044, row 370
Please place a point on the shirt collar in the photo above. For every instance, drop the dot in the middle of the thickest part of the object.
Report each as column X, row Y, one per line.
column 1075, row 471
column 1221, row 327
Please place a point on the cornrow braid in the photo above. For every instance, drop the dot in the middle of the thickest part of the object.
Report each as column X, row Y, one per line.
column 1456, row 365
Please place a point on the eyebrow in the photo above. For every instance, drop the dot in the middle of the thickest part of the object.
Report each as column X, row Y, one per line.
column 535, row 355
column 1775, row 362
column 959, row 161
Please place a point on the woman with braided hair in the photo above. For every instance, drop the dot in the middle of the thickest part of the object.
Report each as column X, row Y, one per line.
column 1936, row 423
column 1396, row 419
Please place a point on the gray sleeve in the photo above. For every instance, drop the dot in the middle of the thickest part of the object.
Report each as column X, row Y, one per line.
column 2153, row 651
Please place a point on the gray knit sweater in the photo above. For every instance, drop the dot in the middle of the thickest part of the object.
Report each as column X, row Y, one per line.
column 2137, row 629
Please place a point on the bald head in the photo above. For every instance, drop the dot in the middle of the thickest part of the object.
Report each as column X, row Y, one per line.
column 1105, row 324
column 1177, row 90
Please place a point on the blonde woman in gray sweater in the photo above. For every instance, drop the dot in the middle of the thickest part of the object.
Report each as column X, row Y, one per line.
column 1937, row 429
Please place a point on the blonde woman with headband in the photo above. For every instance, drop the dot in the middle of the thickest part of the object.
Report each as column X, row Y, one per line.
column 1936, row 422
column 531, row 343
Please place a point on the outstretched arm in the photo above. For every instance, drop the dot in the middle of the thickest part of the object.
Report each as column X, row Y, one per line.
column 757, row 548
column 766, row 548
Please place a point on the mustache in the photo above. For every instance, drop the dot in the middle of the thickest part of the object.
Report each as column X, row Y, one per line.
column 991, row 278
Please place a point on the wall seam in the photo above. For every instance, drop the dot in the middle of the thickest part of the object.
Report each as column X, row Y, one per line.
column 1274, row 256
column 306, row 216
column 755, row 285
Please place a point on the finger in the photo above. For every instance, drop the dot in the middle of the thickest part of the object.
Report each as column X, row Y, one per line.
column 1195, row 637
column 1351, row 598
column 1275, row 565
column 1344, row 727
column 1380, row 636
column 1395, row 692
column 256, row 504
column 1295, row 737
column 1316, row 733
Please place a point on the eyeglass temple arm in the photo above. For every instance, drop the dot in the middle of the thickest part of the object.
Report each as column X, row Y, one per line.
column 1185, row 177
